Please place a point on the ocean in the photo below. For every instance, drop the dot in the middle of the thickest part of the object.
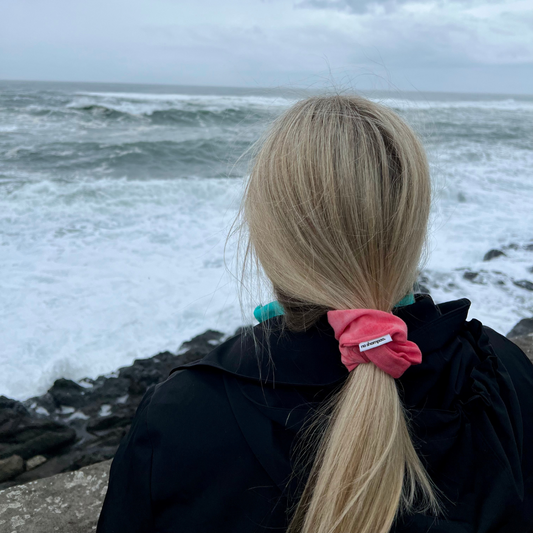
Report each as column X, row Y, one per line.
column 115, row 203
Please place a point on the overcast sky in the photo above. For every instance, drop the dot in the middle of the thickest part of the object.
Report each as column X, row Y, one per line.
column 463, row 46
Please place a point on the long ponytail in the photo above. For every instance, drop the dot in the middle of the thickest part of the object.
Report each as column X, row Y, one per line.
column 337, row 207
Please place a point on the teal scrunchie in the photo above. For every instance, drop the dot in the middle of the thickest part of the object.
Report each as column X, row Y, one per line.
column 272, row 309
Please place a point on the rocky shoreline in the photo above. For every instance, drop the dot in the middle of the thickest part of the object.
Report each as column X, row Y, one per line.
column 76, row 424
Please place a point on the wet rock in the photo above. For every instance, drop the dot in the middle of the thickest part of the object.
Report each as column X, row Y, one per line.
column 67, row 392
column 109, row 422
column 94, row 455
column 145, row 372
column 54, row 465
column 34, row 462
column 105, row 391
column 24, row 434
column 42, row 438
column 491, row 254
column 10, row 411
column 512, row 246
column 67, row 503
column 243, row 330
column 470, row 276
column 421, row 285
column 524, row 284
column 11, row 467
column 77, row 424
column 524, row 327
column 199, row 346
column 111, row 437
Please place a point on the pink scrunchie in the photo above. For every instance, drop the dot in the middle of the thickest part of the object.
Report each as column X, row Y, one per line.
column 369, row 335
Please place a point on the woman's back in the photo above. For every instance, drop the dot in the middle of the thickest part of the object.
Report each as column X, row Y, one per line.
column 214, row 447
column 367, row 412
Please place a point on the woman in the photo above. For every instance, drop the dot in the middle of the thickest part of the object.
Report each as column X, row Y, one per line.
column 351, row 407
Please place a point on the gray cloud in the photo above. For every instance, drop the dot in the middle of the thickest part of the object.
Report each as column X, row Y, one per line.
column 433, row 45
column 351, row 6
column 364, row 6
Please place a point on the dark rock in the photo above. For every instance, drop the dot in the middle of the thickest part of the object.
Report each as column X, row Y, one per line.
column 243, row 330
column 40, row 439
column 101, row 413
column 421, row 285
column 107, row 390
column 529, row 247
column 34, row 462
column 67, row 392
column 491, row 254
column 111, row 437
column 470, row 276
column 141, row 375
column 10, row 412
column 46, row 402
column 94, row 455
column 11, row 467
column 53, row 466
column 6, row 484
column 108, row 422
column 146, row 372
column 524, row 284
column 524, row 327
column 24, row 434
column 202, row 344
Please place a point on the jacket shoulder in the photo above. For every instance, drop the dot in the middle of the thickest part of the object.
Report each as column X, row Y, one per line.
column 190, row 402
column 203, row 470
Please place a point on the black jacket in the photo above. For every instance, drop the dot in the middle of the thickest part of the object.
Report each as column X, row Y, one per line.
column 210, row 449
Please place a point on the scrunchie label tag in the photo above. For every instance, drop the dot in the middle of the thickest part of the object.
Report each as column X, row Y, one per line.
column 374, row 343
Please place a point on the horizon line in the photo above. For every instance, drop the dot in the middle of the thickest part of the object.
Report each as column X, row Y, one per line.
column 265, row 88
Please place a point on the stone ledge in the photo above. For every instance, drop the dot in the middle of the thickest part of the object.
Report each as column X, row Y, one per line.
column 66, row 503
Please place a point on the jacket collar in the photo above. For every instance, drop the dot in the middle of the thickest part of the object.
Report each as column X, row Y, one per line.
column 304, row 358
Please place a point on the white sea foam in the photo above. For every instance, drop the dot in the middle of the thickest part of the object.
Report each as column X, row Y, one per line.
column 99, row 267
column 98, row 273
column 216, row 99
column 146, row 104
column 430, row 104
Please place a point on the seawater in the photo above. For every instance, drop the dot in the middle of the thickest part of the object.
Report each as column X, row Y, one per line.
column 116, row 200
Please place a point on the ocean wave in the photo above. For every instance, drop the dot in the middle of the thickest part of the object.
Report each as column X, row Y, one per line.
column 216, row 107
column 201, row 100
column 100, row 110
column 509, row 104
column 141, row 159
column 168, row 116
column 218, row 102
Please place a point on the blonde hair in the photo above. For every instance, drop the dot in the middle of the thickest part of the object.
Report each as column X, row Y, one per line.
column 336, row 208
